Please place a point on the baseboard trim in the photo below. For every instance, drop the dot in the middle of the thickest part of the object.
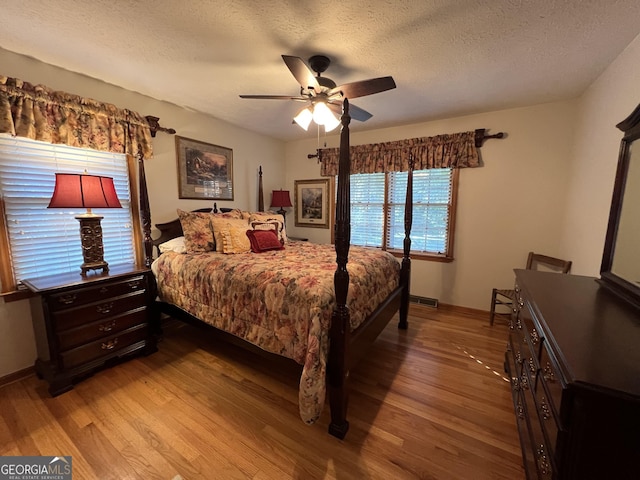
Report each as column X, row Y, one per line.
column 476, row 312
column 15, row 376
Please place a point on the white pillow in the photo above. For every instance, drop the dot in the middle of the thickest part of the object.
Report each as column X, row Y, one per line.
column 173, row 245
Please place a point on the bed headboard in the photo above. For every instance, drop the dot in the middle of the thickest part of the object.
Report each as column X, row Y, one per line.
column 173, row 229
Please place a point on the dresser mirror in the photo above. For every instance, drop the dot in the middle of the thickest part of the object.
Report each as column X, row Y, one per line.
column 620, row 269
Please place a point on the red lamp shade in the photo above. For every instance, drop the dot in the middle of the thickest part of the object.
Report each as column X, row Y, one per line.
column 74, row 190
column 280, row 198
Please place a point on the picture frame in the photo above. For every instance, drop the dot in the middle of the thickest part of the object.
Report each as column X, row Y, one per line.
column 311, row 200
column 205, row 171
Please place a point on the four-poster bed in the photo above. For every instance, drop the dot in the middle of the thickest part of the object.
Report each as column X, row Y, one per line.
column 352, row 318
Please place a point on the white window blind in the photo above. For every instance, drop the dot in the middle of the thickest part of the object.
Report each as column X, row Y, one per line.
column 46, row 241
column 377, row 207
column 367, row 209
column 431, row 210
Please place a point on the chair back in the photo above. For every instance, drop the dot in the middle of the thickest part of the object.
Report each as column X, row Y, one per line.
column 536, row 261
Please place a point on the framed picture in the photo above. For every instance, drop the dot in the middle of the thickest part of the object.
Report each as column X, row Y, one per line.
column 204, row 170
column 312, row 203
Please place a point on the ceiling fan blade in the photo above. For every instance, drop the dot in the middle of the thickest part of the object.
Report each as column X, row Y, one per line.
column 363, row 87
column 301, row 72
column 276, row 97
column 356, row 113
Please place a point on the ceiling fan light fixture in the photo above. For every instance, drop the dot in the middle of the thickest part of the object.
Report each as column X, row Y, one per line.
column 304, row 118
column 331, row 122
column 321, row 113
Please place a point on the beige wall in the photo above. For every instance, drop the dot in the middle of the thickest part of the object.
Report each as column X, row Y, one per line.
column 511, row 205
column 250, row 150
column 608, row 101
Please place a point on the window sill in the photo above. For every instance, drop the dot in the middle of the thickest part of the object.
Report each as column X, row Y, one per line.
column 430, row 257
column 16, row 295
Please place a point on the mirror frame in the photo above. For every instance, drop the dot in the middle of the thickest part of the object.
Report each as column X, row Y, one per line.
column 630, row 126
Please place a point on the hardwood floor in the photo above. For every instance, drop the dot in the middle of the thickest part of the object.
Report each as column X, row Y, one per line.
column 428, row 403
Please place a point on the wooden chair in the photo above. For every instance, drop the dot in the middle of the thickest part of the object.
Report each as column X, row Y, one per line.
column 535, row 261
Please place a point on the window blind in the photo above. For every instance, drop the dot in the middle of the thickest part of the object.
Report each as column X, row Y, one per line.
column 367, row 209
column 431, row 210
column 46, row 241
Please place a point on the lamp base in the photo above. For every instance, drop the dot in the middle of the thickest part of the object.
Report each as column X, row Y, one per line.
column 92, row 248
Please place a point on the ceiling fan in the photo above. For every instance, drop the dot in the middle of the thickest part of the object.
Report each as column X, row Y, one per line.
column 323, row 96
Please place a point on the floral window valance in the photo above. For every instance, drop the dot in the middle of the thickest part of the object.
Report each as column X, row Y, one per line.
column 456, row 150
column 39, row 113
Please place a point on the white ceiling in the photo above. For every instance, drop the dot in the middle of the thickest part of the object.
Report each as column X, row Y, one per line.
column 448, row 57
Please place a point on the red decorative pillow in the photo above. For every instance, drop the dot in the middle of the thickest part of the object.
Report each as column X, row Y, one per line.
column 264, row 240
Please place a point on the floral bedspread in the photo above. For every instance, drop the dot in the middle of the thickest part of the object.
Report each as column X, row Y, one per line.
column 280, row 300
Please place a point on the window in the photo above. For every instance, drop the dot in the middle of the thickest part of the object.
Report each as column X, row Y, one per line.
column 377, row 211
column 44, row 241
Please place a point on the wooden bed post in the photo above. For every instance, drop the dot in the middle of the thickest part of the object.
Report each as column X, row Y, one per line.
column 260, row 194
column 405, row 271
column 337, row 367
column 145, row 212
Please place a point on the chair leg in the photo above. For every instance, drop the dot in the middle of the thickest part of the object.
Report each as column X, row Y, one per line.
column 492, row 313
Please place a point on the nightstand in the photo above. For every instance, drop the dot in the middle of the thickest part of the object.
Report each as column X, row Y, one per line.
column 84, row 323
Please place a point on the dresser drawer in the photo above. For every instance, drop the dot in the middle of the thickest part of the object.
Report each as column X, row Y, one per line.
column 101, row 310
column 82, row 296
column 103, row 347
column 102, row 328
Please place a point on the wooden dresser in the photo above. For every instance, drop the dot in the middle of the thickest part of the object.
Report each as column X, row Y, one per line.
column 82, row 323
column 573, row 358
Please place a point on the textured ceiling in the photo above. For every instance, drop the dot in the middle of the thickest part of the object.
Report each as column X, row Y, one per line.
column 448, row 57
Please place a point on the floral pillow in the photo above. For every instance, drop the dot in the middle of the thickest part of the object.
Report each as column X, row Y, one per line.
column 267, row 217
column 198, row 236
column 264, row 240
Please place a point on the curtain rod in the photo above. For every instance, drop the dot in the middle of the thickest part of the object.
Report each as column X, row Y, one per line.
column 480, row 137
column 155, row 127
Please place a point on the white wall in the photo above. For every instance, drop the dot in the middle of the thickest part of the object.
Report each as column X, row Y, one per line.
column 608, row 101
column 250, row 150
column 513, row 204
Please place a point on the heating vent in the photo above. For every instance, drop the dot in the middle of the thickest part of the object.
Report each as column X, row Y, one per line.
column 431, row 302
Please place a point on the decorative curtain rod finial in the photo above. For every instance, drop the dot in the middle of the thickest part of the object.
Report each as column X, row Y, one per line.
column 155, row 127
column 481, row 136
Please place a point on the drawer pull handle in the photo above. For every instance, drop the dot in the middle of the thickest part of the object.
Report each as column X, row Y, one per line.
column 548, row 374
column 67, row 299
column 104, row 290
column 544, row 407
column 104, row 308
column 543, row 463
column 515, row 384
column 107, row 327
column 519, row 358
column 134, row 285
column 534, row 337
column 520, row 411
column 532, row 365
column 524, row 383
column 110, row 345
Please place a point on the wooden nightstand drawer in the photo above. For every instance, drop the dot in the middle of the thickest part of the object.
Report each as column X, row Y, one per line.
column 77, row 297
column 101, row 310
column 104, row 346
column 102, row 328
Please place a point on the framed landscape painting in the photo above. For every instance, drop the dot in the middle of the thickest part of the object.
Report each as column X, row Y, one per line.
column 312, row 203
column 205, row 171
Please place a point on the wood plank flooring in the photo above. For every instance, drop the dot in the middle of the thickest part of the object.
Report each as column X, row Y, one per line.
column 428, row 403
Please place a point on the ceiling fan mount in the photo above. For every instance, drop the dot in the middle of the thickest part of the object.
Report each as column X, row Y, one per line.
column 319, row 63
column 316, row 89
